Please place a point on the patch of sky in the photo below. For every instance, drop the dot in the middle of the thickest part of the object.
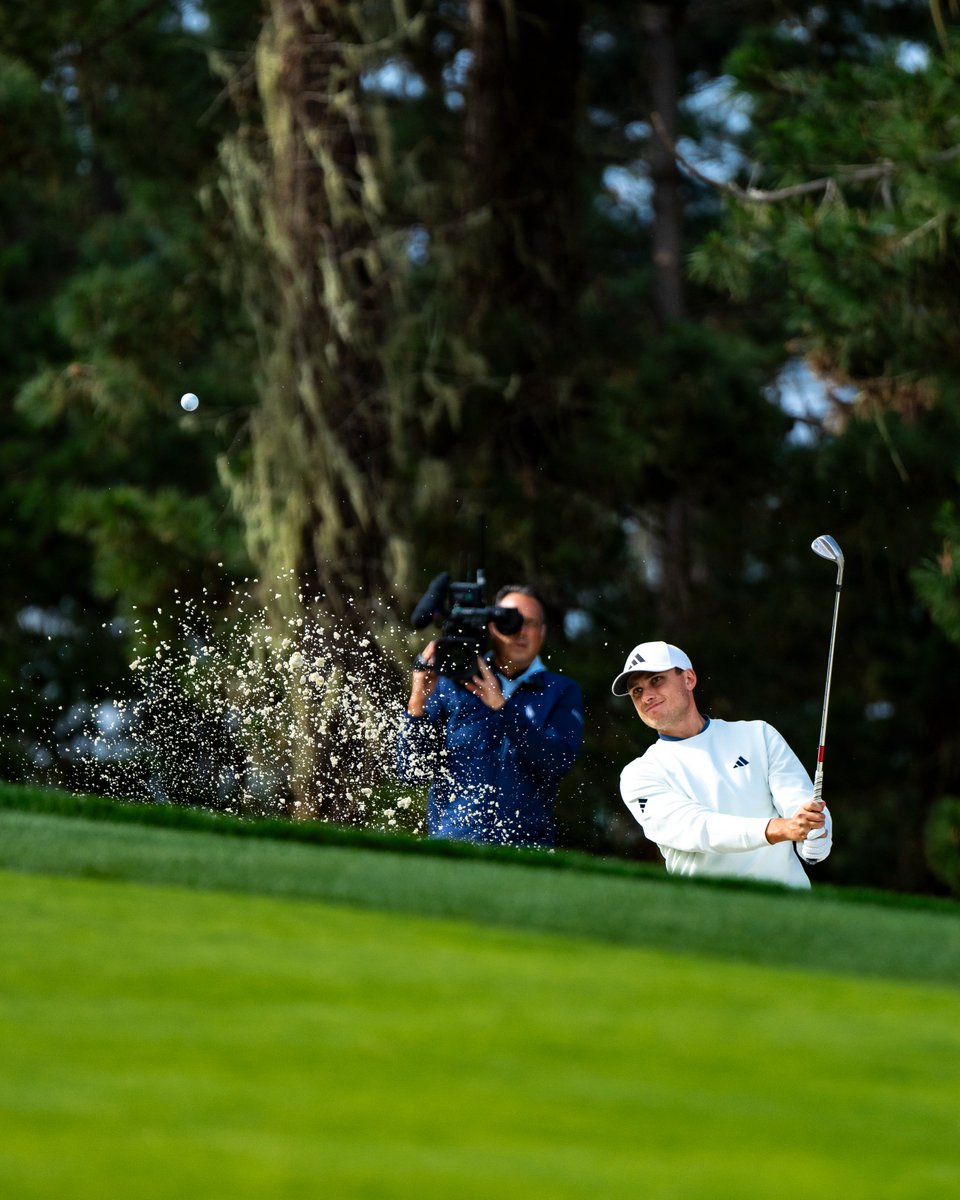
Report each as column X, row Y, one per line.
column 801, row 395
column 394, row 78
column 815, row 16
column 193, row 17
column 909, row 56
column 718, row 102
column 794, row 28
column 455, row 75
column 806, row 397
column 643, row 552
column 717, row 158
column 577, row 622
column 443, row 42
column 108, row 716
column 912, row 57
column 418, row 245
column 598, row 41
column 628, row 192
column 47, row 622
column 637, row 131
column 722, row 113
column 601, row 118
column 96, row 733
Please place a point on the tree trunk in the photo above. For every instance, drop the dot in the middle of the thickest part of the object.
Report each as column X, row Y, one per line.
column 521, row 264
column 314, row 494
column 319, row 439
column 660, row 24
column 521, row 152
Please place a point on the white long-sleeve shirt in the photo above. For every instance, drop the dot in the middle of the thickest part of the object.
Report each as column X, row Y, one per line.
column 706, row 800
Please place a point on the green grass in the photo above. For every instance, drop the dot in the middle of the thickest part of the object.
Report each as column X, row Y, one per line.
column 822, row 930
column 185, row 1014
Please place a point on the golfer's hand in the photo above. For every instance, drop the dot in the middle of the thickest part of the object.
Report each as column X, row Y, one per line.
column 818, row 845
column 486, row 686
column 422, row 681
column 819, row 842
column 794, row 829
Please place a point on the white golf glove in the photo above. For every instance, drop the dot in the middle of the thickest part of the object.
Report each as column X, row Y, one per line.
column 815, row 850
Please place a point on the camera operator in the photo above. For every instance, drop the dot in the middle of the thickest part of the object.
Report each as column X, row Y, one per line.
column 494, row 748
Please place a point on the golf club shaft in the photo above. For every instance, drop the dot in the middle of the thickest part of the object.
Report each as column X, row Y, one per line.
column 818, row 777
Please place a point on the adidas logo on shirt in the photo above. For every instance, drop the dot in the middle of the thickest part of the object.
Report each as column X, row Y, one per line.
column 741, row 762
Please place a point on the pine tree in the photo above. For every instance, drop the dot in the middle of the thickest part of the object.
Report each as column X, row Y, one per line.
column 110, row 310
column 841, row 232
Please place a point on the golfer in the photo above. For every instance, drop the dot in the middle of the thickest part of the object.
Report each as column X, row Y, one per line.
column 720, row 798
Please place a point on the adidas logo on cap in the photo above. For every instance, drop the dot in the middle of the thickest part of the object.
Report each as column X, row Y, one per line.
column 650, row 657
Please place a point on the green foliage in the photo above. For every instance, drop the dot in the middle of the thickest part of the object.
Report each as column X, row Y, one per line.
column 937, row 580
column 178, row 535
column 864, row 270
column 943, row 841
column 110, row 308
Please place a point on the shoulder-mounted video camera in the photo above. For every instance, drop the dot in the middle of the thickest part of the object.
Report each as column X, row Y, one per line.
column 463, row 618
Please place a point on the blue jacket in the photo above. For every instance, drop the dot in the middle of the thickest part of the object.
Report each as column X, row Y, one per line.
column 494, row 775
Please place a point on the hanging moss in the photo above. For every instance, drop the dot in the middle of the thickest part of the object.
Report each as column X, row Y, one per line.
column 383, row 392
column 304, row 181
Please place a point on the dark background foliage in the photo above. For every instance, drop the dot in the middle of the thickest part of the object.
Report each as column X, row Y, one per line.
column 549, row 265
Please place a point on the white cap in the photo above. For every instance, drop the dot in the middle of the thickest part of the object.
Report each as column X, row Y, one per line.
column 650, row 657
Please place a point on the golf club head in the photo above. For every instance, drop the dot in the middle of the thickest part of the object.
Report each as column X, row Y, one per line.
column 827, row 548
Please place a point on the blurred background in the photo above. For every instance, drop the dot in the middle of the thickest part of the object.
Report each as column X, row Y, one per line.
column 656, row 293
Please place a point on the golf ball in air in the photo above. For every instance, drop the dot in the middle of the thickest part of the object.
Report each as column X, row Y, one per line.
column 189, row 401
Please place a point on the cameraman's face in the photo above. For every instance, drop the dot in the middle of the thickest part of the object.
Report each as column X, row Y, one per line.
column 515, row 652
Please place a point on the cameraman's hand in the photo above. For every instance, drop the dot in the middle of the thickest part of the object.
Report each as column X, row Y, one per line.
column 422, row 681
column 486, row 686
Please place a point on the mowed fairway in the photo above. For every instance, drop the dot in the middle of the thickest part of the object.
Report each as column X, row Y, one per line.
column 160, row 1041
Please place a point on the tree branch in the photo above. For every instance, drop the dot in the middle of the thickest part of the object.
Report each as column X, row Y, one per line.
column 881, row 170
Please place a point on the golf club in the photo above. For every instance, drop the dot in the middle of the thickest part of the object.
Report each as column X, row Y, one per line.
column 827, row 548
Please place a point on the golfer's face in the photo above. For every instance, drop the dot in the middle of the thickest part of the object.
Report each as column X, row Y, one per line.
column 518, row 650
column 665, row 700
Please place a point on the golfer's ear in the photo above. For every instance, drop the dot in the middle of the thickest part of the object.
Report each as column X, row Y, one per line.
column 690, row 678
